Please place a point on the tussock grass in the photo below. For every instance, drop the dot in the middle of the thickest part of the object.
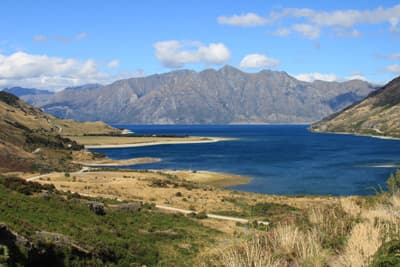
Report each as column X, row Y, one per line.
column 365, row 239
column 254, row 252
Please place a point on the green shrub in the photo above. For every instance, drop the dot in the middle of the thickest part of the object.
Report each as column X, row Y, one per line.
column 24, row 187
column 388, row 255
column 393, row 183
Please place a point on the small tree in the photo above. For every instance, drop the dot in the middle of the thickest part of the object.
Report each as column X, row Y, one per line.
column 393, row 183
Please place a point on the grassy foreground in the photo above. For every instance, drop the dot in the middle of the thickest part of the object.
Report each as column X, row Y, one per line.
column 60, row 230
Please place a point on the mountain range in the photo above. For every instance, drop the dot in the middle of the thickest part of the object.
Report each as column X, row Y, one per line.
column 224, row 96
column 378, row 114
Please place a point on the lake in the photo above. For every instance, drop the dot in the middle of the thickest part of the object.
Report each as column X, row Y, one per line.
column 280, row 159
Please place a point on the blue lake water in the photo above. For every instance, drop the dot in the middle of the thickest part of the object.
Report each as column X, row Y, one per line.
column 280, row 159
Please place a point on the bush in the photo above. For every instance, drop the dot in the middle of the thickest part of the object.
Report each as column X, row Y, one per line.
column 388, row 255
column 393, row 183
column 24, row 187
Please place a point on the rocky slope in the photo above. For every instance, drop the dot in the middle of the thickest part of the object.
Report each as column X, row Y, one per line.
column 33, row 140
column 378, row 114
column 225, row 96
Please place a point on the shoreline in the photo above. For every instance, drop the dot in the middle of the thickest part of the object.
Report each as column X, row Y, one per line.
column 118, row 163
column 156, row 143
column 357, row 134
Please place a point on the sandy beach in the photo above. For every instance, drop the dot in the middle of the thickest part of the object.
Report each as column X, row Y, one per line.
column 125, row 142
column 115, row 163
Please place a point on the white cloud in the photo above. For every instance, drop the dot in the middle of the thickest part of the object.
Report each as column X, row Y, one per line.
column 81, row 36
column 310, row 77
column 346, row 33
column 40, row 38
column 317, row 20
column 113, row 64
column 243, row 20
column 345, row 18
column 175, row 54
column 253, row 61
column 282, row 32
column 307, row 30
column 394, row 68
column 356, row 77
column 42, row 71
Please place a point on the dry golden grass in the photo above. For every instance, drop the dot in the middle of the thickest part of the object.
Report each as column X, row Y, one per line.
column 364, row 241
column 210, row 178
column 350, row 206
column 285, row 245
column 250, row 253
column 379, row 224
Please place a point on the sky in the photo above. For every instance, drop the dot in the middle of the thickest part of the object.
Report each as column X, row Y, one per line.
column 56, row 44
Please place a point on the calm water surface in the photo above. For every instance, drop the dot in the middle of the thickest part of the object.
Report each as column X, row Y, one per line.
column 281, row 159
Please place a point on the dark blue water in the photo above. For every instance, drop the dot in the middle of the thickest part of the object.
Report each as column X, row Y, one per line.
column 281, row 159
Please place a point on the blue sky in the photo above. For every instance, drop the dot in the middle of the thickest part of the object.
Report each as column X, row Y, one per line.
column 54, row 44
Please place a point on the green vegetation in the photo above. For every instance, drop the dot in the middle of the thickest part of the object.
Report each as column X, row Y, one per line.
column 9, row 99
column 388, row 255
column 272, row 212
column 63, row 231
column 393, row 183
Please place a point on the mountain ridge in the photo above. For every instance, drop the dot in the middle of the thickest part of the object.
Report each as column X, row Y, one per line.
column 377, row 115
column 224, row 96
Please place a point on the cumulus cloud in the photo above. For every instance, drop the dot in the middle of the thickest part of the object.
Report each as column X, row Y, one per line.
column 42, row 71
column 307, row 30
column 310, row 77
column 113, row 64
column 40, row 38
column 316, row 20
column 243, row 20
column 253, row 61
column 394, row 68
column 175, row 54
column 346, row 33
column 282, row 32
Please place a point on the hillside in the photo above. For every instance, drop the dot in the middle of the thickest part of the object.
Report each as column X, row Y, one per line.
column 225, row 96
column 33, row 140
column 378, row 114
column 41, row 226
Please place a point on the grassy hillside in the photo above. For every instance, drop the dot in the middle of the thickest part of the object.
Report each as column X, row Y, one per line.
column 378, row 114
column 40, row 226
column 31, row 140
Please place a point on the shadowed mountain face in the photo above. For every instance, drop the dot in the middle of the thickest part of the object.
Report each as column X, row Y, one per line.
column 21, row 91
column 225, row 96
column 378, row 114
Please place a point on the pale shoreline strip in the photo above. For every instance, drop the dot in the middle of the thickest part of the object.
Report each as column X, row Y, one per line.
column 156, row 143
column 357, row 134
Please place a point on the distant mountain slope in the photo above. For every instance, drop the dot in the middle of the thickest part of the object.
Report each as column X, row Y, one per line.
column 88, row 86
column 21, row 91
column 33, row 140
column 224, row 96
column 378, row 114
